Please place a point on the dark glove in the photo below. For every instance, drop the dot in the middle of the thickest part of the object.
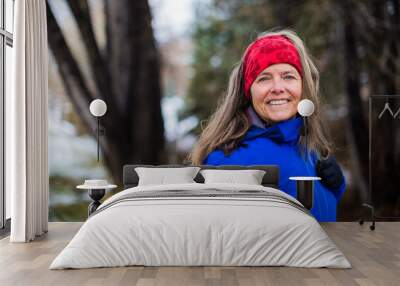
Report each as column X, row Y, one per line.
column 330, row 173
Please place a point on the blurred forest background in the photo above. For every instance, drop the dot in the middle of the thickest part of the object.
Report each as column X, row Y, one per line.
column 161, row 67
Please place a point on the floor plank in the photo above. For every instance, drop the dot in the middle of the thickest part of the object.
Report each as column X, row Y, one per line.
column 374, row 255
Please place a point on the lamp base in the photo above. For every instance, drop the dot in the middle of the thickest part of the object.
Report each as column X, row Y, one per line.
column 305, row 193
column 96, row 195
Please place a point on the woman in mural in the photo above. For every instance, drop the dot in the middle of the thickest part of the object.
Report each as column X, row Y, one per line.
column 257, row 122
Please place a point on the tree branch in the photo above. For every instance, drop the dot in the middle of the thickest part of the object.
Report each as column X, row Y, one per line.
column 134, row 127
column 81, row 12
column 74, row 84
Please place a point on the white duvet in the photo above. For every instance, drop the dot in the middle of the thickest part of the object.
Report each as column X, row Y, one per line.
column 200, row 231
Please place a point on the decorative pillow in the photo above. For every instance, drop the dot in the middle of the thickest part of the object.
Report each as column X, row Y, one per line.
column 162, row 176
column 249, row 177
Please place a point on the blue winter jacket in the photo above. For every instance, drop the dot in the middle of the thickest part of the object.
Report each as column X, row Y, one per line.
column 278, row 145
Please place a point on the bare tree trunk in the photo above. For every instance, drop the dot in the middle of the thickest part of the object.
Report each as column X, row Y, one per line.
column 350, row 70
column 134, row 64
column 72, row 77
column 127, row 78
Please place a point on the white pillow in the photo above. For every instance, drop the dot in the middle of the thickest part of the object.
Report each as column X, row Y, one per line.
column 249, row 177
column 162, row 176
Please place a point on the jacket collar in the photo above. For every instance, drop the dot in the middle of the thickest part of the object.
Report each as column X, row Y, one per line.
column 286, row 131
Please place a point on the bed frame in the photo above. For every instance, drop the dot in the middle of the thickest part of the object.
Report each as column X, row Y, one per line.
column 270, row 179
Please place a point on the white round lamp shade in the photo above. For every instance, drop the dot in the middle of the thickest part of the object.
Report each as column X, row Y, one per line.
column 98, row 107
column 305, row 107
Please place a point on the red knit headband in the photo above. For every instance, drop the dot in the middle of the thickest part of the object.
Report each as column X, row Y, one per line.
column 265, row 52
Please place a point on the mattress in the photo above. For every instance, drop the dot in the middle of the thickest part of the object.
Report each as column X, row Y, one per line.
column 201, row 225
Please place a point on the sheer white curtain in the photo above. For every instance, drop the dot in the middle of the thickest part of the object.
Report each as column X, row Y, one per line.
column 26, row 124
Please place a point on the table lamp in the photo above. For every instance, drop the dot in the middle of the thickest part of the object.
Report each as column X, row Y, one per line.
column 305, row 184
column 98, row 108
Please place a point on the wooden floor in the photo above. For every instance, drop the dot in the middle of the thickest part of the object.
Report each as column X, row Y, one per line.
column 374, row 255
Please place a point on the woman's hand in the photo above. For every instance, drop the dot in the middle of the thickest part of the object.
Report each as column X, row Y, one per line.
column 330, row 173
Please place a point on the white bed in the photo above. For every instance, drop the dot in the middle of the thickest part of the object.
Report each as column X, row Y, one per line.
column 183, row 230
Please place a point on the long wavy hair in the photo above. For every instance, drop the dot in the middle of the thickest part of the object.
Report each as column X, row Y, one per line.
column 228, row 125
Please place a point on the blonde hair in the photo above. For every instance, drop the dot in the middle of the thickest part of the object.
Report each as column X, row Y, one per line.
column 228, row 125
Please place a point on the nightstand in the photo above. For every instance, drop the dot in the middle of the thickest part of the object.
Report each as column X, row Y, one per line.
column 96, row 190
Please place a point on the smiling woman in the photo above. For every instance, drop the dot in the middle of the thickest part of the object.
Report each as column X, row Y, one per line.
column 257, row 122
column 276, row 93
